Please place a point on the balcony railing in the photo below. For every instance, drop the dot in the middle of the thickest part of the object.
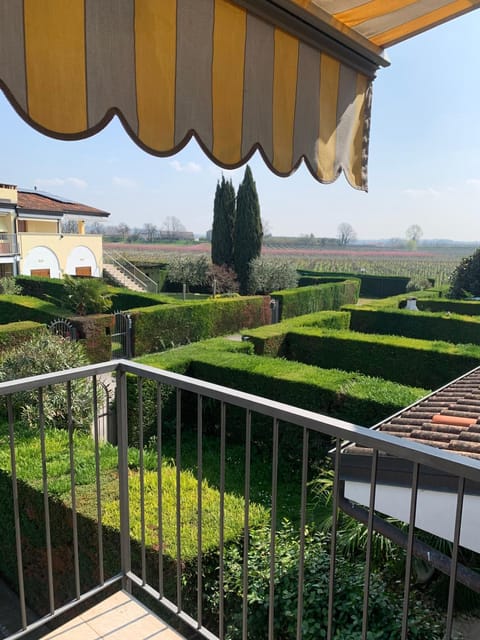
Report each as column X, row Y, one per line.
column 81, row 554
column 8, row 244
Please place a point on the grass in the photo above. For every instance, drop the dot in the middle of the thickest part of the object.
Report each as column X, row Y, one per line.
column 29, row 470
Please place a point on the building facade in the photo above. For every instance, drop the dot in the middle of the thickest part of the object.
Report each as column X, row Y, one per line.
column 32, row 241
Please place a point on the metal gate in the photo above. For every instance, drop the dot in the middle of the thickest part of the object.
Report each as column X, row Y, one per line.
column 63, row 328
column 122, row 335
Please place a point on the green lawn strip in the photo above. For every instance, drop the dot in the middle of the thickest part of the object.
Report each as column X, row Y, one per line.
column 29, row 470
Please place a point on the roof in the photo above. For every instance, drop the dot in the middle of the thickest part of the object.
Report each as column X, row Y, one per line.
column 448, row 419
column 292, row 78
column 33, row 201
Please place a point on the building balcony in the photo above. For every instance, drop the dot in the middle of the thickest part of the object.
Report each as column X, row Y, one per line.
column 141, row 526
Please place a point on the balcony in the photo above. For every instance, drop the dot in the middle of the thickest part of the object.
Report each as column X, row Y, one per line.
column 63, row 555
column 8, row 244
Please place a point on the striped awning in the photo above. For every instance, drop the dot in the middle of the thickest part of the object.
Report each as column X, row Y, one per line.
column 291, row 78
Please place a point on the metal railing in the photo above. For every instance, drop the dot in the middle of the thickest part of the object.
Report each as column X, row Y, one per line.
column 130, row 270
column 173, row 406
column 8, row 243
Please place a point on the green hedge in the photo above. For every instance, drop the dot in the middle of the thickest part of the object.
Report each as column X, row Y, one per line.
column 325, row 297
column 161, row 327
column 15, row 333
column 371, row 286
column 124, row 299
column 461, row 307
column 415, row 324
column 18, row 308
column 408, row 361
column 44, row 288
column 350, row 396
column 270, row 340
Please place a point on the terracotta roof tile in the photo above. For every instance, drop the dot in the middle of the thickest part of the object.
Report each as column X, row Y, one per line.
column 46, row 203
column 457, row 403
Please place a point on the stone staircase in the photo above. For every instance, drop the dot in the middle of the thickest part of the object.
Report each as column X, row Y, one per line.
column 120, row 278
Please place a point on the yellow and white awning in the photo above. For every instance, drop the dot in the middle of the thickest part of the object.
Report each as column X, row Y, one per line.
column 289, row 77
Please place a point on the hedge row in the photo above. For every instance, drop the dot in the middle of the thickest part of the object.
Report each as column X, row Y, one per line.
column 15, row 333
column 371, row 286
column 407, row 361
column 161, row 327
column 303, row 300
column 350, row 396
column 270, row 340
column 462, row 307
column 415, row 324
column 43, row 288
column 19, row 308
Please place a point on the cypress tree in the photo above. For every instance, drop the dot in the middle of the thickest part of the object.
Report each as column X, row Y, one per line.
column 223, row 223
column 248, row 229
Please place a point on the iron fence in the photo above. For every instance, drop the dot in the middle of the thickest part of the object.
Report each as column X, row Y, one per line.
column 155, row 410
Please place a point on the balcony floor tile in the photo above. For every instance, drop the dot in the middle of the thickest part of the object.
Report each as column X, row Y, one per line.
column 119, row 617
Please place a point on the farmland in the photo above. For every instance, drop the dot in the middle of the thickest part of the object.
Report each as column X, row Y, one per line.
column 429, row 262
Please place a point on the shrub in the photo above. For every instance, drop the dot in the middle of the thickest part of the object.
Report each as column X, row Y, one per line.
column 9, row 286
column 385, row 605
column 87, row 295
column 223, row 278
column 188, row 270
column 371, row 286
column 465, row 280
column 46, row 353
column 16, row 333
column 271, row 274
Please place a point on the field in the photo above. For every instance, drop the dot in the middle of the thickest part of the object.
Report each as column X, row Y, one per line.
column 428, row 262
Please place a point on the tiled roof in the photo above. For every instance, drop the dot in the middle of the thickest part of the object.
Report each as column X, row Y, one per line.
column 447, row 419
column 46, row 203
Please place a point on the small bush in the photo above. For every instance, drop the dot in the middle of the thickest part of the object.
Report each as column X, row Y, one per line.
column 271, row 274
column 87, row 295
column 46, row 353
column 385, row 605
column 9, row 286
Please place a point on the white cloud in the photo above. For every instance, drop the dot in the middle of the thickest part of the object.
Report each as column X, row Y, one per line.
column 474, row 182
column 126, row 183
column 187, row 167
column 423, row 193
column 46, row 183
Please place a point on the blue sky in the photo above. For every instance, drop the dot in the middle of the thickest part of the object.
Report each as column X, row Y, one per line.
column 424, row 163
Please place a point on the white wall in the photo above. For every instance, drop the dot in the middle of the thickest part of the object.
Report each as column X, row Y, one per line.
column 82, row 257
column 41, row 258
column 435, row 510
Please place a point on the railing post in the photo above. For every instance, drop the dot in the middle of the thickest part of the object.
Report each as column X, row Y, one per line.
column 122, row 436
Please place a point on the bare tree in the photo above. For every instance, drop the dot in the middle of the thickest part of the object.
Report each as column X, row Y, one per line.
column 123, row 230
column 69, row 225
column 150, row 231
column 345, row 234
column 96, row 227
column 172, row 225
